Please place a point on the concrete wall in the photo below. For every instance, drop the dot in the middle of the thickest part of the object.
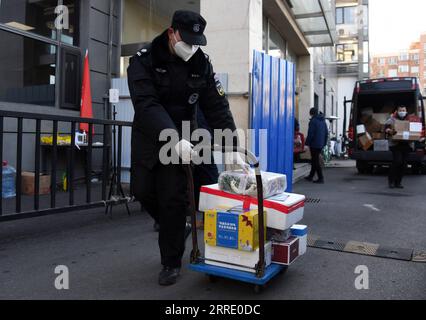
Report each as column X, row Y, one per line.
column 305, row 78
column 234, row 30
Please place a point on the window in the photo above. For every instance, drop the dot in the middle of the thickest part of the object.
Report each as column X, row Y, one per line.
column 347, row 52
column 70, row 79
column 382, row 61
column 424, row 47
column 38, row 16
column 404, row 68
column 350, row 15
column 393, row 61
column 393, row 73
column 339, row 16
column 346, row 15
column 71, row 35
column 29, row 48
column 28, row 15
column 28, row 70
column 415, row 57
column 403, row 57
column 415, row 70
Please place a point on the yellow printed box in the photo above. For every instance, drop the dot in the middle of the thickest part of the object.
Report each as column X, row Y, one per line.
column 230, row 229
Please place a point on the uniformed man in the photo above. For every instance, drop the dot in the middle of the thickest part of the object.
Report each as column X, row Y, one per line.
column 169, row 80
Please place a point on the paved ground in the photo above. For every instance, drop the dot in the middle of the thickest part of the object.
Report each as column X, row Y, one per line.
column 118, row 258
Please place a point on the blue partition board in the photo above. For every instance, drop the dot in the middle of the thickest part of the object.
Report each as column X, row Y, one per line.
column 273, row 104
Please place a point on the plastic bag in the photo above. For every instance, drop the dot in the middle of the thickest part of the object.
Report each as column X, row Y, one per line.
column 242, row 183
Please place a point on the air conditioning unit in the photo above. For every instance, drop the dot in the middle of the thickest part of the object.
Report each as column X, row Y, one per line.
column 341, row 32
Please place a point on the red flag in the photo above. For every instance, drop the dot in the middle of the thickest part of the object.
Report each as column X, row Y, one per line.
column 86, row 96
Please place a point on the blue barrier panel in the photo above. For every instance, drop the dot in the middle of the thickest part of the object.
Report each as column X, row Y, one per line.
column 273, row 99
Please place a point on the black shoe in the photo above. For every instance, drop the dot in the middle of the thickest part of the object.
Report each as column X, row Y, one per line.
column 399, row 186
column 391, row 185
column 308, row 179
column 168, row 276
column 188, row 230
column 156, row 227
column 319, row 181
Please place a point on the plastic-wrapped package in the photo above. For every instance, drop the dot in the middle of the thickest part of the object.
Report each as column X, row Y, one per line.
column 276, row 235
column 239, row 182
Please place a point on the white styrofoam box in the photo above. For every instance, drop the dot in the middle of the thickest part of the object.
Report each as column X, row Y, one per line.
column 360, row 129
column 301, row 232
column 246, row 260
column 416, row 127
column 283, row 210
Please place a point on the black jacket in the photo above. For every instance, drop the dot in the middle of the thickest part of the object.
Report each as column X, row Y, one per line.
column 317, row 132
column 166, row 91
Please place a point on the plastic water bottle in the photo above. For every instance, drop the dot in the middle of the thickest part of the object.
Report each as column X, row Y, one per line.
column 9, row 173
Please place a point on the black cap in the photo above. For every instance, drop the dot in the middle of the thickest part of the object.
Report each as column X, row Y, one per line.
column 191, row 26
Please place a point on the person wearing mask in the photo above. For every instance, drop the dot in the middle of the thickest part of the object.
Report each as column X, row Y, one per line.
column 316, row 140
column 169, row 79
column 400, row 149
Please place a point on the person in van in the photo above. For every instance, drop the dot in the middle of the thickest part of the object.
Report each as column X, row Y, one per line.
column 400, row 149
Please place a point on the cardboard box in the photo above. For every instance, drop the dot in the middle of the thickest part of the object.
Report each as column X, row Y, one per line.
column 28, row 184
column 365, row 141
column 381, row 145
column 301, row 232
column 407, row 131
column 381, row 117
column 285, row 252
column 234, row 230
column 236, row 259
column 373, row 126
column 378, row 135
column 282, row 210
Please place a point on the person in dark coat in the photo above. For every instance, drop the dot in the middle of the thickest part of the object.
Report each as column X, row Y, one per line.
column 400, row 149
column 169, row 79
column 316, row 140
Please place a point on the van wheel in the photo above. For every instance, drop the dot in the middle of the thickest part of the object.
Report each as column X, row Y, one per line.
column 364, row 167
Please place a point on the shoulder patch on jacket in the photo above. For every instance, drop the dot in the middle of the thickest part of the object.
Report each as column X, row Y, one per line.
column 219, row 87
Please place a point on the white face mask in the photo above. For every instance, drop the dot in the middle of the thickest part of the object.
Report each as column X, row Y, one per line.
column 402, row 114
column 184, row 50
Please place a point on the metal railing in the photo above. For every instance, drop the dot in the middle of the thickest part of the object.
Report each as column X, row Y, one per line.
column 55, row 120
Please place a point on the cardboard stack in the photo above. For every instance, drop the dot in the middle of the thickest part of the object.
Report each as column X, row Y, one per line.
column 372, row 131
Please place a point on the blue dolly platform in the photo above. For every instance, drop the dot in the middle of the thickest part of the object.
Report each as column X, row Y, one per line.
column 197, row 263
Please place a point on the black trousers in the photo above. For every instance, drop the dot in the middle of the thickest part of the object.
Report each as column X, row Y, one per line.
column 399, row 163
column 315, row 164
column 163, row 192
